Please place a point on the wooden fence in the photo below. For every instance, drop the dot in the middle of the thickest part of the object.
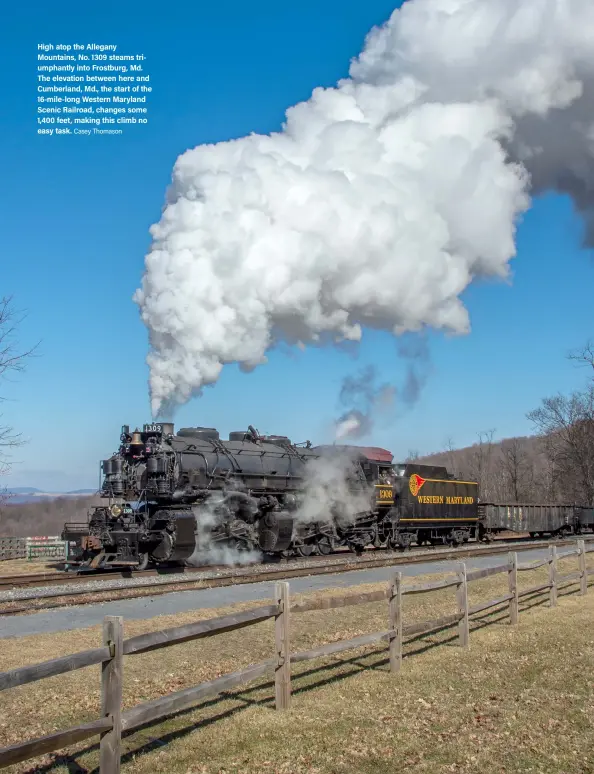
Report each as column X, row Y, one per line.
column 113, row 721
column 40, row 546
column 46, row 546
column 12, row 548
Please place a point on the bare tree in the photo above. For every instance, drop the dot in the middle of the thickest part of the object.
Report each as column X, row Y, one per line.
column 517, row 469
column 547, row 476
column 450, row 454
column 12, row 360
column 480, row 463
column 412, row 456
column 567, row 426
column 584, row 356
column 567, row 422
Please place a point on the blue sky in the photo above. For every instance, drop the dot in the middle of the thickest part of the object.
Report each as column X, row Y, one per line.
column 75, row 232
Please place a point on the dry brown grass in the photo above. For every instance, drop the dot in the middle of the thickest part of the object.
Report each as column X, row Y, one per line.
column 519, row 700
column 26, row 567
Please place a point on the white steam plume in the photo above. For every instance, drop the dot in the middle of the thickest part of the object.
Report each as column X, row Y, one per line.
column 381, row 199
column 352, row 425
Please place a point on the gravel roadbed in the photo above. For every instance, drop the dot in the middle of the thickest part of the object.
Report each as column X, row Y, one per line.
column 13, row 595
column 345, row 562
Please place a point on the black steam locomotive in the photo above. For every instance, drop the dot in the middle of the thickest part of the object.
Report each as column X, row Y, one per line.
column 174, row 497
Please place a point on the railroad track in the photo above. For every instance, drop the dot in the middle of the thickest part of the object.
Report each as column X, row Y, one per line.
column 64, row 578
column 178, row 573
column 213, row 577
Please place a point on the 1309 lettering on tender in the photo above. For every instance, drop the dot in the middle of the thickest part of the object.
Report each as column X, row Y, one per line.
column 386, row 494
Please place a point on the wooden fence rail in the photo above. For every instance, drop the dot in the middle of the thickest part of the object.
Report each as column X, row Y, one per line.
column 12, row 548
column 111, row 654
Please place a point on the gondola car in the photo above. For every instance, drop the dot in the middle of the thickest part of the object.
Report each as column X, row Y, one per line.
column 539, row 520
column 585, row 520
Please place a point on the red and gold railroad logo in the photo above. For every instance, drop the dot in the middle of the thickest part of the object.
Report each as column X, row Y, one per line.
column 415, row 483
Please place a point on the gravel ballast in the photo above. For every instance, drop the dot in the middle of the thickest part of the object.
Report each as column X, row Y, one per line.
column 146, row 607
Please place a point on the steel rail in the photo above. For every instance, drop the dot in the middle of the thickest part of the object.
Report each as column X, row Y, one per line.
column 8, row 582
column 264, row 573
column 368, row 559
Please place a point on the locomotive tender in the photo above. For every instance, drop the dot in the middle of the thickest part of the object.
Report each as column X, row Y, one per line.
column 177, row 495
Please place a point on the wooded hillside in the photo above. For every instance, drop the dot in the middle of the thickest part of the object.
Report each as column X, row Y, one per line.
column 45, row 517
column 511, row 470
column 555, row 465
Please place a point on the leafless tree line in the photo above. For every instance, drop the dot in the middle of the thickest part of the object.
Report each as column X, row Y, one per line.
column 44, row 517
column 565, row 423
column 554, row 465
column 508, row 471
column 12, row 360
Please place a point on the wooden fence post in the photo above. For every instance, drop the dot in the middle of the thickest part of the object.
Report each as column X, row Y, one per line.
column 553, row 576
column 512, row 580
column 395, row 611
column 582, row 566
column 282, row 673
column 111, row 695
column 462, row 599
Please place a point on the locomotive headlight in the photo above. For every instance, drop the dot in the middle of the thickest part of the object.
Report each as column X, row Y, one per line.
column 115, row 510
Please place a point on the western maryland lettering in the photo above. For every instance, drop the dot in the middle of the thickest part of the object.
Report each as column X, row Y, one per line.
column 445, row 500
column 433, row 500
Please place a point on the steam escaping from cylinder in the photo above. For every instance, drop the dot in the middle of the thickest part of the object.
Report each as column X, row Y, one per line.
column 210, row 550
column 328, row 494
column 221, row 554
column 381, row 199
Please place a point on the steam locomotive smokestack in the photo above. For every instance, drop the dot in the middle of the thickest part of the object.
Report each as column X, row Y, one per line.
column 381, row 199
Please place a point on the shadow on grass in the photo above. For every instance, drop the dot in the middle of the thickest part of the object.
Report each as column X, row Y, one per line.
column 373, row 660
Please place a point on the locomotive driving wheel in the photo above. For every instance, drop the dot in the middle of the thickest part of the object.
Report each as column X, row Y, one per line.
column 401, row 541
column 305, row 550
column 325, row 547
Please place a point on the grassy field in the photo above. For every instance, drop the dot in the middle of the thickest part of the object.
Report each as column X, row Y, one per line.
column 26, row 567
column 520, row 699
